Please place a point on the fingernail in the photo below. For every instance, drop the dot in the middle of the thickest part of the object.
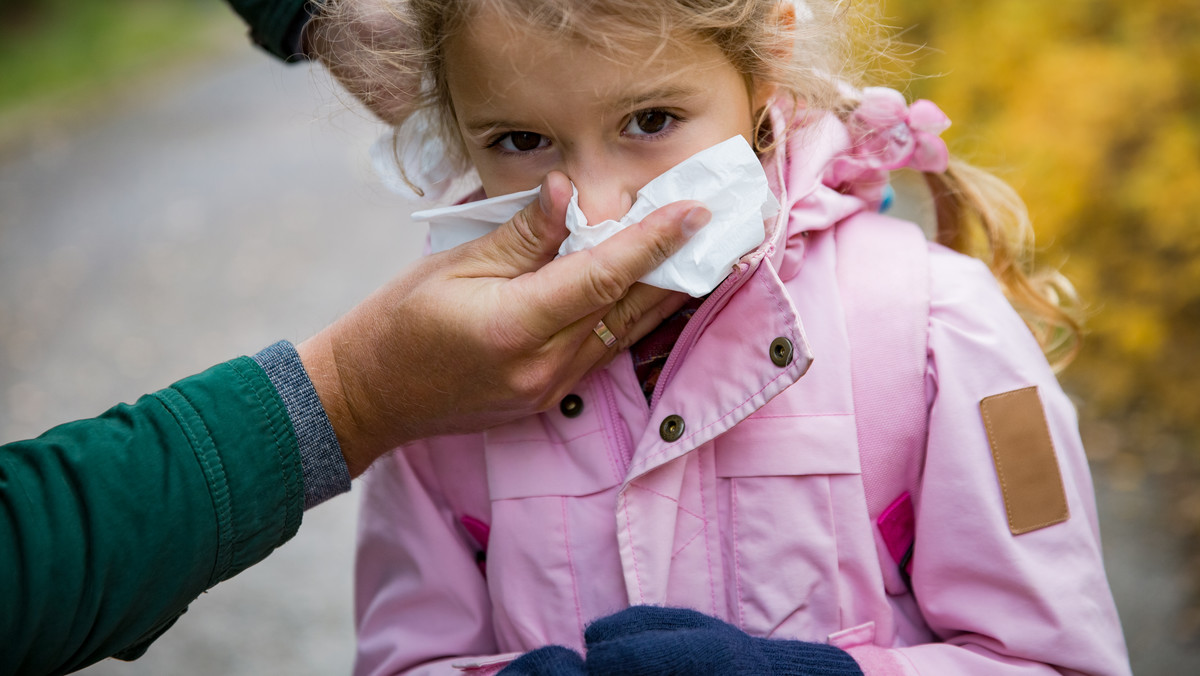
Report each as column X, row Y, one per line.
column 545, row 198
column 695, row 219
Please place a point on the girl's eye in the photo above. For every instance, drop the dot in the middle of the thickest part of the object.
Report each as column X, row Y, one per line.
column 522, row 141
column 649, row 122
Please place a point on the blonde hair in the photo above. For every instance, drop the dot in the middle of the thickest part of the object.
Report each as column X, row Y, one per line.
column 982, row 216
column 812, row 59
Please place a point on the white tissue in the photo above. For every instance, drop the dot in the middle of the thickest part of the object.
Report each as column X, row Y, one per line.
column 451, row 226
column 727, row 178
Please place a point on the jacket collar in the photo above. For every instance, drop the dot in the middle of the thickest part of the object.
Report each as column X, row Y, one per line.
column 807, row 144
column 796, row 170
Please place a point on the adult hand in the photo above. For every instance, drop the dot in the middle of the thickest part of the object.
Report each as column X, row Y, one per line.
column 492, row 330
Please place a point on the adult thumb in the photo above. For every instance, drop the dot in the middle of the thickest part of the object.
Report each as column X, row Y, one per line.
column 530, row 239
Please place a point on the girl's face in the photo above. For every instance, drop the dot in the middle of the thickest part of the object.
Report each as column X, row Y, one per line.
column 527, row 104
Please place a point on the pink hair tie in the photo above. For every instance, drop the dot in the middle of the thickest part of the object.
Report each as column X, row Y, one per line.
column 885, row 134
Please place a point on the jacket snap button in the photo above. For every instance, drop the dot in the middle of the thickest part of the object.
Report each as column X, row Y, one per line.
column 781, row 351
column 671, row 428
column 571, row 405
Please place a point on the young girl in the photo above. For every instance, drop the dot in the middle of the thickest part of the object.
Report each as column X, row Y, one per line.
column 709, row 467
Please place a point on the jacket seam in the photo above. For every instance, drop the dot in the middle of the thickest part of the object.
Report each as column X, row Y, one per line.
column 801, row 415
column 524, row 442
column 632, row 546
column 737, row 558
column 712, row 584
column 664, row 496
column 571, row 567
column 291, row 515
column 685, row 545
column 204, row 449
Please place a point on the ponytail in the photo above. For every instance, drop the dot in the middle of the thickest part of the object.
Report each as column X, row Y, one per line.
column 980, row 215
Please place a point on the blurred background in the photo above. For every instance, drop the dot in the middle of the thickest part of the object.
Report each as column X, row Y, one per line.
column 171, row 197
column 1091, row 109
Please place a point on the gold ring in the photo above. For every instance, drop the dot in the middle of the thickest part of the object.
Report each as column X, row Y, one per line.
column 605, row 336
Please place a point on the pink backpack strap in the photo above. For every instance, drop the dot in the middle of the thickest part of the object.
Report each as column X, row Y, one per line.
column 883, row 276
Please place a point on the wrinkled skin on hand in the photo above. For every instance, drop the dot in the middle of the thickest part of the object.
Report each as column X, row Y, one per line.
column 492, row 330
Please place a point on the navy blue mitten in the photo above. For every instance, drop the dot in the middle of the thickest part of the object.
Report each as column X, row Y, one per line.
column 551, row 660
column 653, row 640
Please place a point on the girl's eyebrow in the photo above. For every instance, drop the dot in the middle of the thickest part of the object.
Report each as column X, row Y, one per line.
column 668, row 92
column 484, row 127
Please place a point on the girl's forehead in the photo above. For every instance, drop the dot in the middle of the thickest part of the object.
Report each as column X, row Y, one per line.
column 503, row 41
column 524, row 32
column 499, row 67
column 601, row 20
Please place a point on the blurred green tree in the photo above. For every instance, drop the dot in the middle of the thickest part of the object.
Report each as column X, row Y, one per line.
column 51, row 48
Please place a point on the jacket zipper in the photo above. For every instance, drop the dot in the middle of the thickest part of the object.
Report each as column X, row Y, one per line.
column 623, row 450
column 684, row 343
column 717, row 296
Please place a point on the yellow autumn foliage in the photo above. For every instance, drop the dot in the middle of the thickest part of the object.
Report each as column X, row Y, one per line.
column 1091, row 109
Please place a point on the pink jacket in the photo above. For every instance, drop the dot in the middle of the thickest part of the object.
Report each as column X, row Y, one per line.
column 756, row 514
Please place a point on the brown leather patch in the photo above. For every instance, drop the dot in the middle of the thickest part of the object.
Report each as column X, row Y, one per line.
column 1025, row 460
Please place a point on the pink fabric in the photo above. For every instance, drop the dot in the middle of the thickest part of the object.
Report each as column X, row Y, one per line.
column 888, row 134
column 876, row 661
column 883, row 278
column 757, row 514
column 873, row 660
column 478, row 530
column 897, row 525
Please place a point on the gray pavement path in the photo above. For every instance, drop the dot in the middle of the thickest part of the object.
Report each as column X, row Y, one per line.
column 229, row 205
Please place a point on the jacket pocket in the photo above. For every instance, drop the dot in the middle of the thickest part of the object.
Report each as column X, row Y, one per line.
column 551, row 553
column 533, row 457
column 783, row 484
column 790, row 445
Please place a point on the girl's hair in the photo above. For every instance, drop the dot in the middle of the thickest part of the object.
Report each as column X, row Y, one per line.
column 814, row 58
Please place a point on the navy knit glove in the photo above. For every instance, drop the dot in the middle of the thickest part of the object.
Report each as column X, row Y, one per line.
column 651, row 640
column 551, row 660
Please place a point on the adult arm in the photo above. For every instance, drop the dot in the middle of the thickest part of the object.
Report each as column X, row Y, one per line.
column 110, row 526
column 276, row 25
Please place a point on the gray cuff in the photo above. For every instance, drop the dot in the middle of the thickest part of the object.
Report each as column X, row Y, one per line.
column 325, row 472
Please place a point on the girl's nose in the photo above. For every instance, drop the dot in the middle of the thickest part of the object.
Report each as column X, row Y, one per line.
column 603, row 198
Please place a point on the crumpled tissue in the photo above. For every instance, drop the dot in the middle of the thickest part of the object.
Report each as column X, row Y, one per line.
column 728, row 178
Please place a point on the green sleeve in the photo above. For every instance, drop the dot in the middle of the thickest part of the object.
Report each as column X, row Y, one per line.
column 274, row 24
column 109, row 527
